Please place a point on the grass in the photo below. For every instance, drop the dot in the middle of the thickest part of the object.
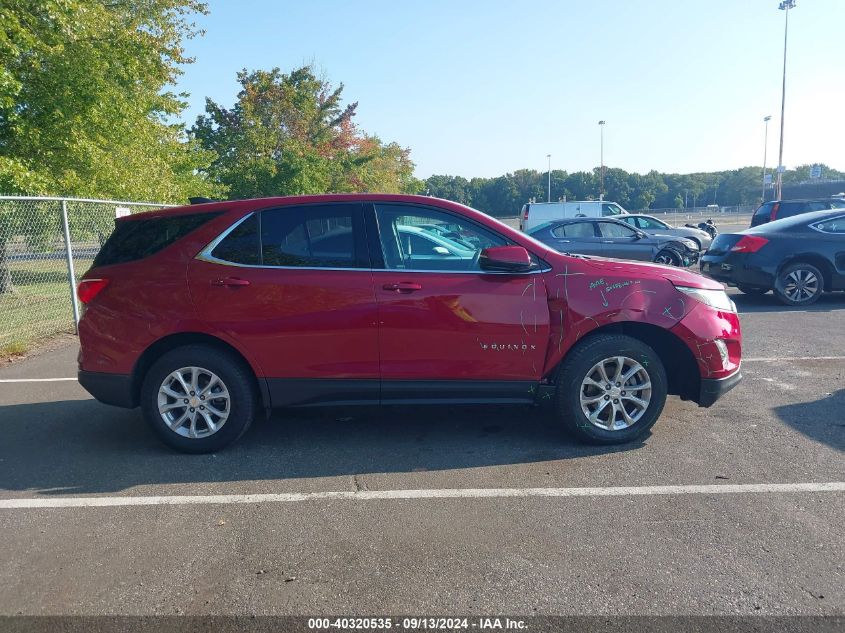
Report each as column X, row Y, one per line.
column 38, row 308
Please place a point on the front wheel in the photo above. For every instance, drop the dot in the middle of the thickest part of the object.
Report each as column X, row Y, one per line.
column 611, row 389
column 668, row 257
column 198, row 398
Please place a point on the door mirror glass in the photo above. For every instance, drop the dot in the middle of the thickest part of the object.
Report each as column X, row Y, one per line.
column 511, row 259
column 441, row 250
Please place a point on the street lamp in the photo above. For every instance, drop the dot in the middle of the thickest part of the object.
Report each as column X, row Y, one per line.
column 549, row 156
column 601, row 169
column 784, row 6
column 766, row 120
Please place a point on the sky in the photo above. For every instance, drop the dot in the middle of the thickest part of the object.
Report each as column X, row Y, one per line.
column 485, row 87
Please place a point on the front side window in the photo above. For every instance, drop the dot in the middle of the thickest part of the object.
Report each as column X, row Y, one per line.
column 835, row 226
column 421, row 238
column 610, row 209
column 612, row 229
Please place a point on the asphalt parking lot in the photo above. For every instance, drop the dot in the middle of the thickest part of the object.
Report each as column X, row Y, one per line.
column 409, row 530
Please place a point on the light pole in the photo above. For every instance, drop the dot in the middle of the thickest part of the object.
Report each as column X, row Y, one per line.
column 784, row 6
column 549, row 156
column 601, row 168
column 766, row 120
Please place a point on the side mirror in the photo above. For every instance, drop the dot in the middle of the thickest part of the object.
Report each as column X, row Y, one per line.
column 640, row 235
column 507, row 259
column 441, row 250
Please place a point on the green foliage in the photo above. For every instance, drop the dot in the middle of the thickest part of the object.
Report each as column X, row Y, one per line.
column 290, row 134
column 505, row 195
column 83, row 99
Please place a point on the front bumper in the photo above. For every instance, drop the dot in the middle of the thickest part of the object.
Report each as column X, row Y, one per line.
column 714, row 388
column 113, row 389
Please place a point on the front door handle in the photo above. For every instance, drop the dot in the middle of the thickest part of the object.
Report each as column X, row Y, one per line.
column 229, row 281
column 402, row 286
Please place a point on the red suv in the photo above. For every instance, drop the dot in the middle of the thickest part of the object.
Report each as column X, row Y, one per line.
column 205, row 315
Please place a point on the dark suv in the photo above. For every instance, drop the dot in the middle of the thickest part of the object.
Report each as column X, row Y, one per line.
column 779, row 209
column 208, row 314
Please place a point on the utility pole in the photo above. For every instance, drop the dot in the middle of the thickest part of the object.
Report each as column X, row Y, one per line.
column 766, row 120
column 549, row 156
column 784, row 6
column 601, row 168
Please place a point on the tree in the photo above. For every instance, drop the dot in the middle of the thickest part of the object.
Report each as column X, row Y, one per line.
column 84, row 105
column 290, row 134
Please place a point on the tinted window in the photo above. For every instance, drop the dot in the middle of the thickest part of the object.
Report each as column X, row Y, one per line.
column 407, row 244
column 576, row 229
column 136, row 239
column 834, row 225
column 837, row 204
column 788, row 209
column 612, row 229
column 764, row 209
column 241, row 246
column 325, row 236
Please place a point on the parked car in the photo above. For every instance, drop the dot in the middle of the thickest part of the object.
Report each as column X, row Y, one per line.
column 779, row 209
column 799, row 257
column 653, row 226
column 206, row 315
column 534, row 214
column 614, row 238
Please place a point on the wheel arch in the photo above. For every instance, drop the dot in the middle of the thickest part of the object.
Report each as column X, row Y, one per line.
column 684, row 378
column 814, row 259
column 172, row 341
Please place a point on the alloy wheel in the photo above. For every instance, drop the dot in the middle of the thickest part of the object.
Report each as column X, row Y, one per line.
column 615, row 393
column 801, row 285
column 194, row 402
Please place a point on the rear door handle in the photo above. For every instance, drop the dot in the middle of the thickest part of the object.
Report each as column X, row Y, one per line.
column 402, row 286
column 229, row 281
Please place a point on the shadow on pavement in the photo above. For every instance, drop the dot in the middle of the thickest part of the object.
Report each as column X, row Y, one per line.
column 821, row 420
column 82, row 446
column 769, row 303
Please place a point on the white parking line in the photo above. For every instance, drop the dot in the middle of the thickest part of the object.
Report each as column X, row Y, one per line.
column 772, row 359
column 448, row 493
column 37, row 379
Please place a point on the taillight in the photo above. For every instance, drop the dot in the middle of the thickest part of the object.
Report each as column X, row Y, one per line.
column 525, row 215
column 90, row 288
column 774, row 214
column 749, row 244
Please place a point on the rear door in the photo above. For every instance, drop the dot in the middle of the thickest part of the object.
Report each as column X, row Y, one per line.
column 449, row 330
column 292, row 287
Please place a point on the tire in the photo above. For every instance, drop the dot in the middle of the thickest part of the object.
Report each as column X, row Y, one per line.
column 799, row 284
column 572, row 383
column 233, row 378
column 668, row 257
column 752, row 290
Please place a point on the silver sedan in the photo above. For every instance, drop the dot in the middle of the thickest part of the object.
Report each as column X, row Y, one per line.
column 653, row 226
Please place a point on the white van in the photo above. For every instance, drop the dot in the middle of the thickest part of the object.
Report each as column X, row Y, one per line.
column 536, row 213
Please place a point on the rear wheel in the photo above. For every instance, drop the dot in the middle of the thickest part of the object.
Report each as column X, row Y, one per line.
column 668, row 257
column 799, row 284
column 198, row 398
column 611, row 389
column 752, row 290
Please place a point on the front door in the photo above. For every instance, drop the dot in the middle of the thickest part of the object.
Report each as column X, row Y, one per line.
column 622, row 242
column 292, row 287
column 449, row 330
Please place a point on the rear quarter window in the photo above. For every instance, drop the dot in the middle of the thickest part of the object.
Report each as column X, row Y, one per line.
column 137, row 239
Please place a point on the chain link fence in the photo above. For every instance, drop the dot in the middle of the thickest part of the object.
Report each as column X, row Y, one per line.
column 46, row 245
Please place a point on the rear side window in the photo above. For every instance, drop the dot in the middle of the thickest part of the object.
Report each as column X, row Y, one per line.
column 788, row 209
column 325, row 236
column 576, row 229
column 835, row 226
column 137, row 239
column 241, row 245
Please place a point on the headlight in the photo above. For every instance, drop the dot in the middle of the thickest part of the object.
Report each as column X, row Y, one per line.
column 718, row 299
column 690, row 244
